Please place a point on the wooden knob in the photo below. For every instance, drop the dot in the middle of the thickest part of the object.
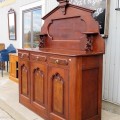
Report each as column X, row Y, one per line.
column 37, row 58
column 21, row 55
column 57, row 61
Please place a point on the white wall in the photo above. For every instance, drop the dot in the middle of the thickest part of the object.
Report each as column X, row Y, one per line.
column 111, row 73
column 4, row 37
column 50, row 4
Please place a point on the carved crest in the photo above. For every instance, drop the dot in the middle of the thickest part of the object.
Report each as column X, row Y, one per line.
column 63, row 5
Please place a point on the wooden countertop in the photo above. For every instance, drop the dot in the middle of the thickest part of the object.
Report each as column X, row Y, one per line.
column 62, row 52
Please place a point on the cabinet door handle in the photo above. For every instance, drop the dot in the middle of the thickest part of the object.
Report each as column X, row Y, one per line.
column 56, row 61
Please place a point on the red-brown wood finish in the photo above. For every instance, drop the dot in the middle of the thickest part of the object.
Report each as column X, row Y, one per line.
column 58, row 93
column 24, row 86
column 38, row 74
column 63, row 79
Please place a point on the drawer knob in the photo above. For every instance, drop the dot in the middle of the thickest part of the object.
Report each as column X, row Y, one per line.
column 21, row 55
column 56, row 61
column 37, row 58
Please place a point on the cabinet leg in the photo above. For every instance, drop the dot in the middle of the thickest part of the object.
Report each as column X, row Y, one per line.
column 7, row 66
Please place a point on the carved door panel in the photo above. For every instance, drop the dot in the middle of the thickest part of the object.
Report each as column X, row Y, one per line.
column 58, row 93
column 39, row 86
column 24, row 80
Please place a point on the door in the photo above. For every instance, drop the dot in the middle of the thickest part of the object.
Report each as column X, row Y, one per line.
column 39, row 87
column 24, row 79
column 58, row 93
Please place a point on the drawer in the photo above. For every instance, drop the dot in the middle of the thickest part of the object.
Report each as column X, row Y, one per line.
column 23, row 55
column 58, row 61
column 35, row 57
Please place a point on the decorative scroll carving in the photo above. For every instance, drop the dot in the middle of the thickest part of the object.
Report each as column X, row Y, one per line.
column 63, row 5
column 24, row 80
column 51, row 22
column 58, row 93
column 38, row 86
column 42, row 40
column 89, row 44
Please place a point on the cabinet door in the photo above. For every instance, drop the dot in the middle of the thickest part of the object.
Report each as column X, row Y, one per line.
column 58, row 93
column 39, row 87
column 24, row 81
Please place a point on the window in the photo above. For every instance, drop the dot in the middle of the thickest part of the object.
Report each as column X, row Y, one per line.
column 30, row 23
column 31, row 27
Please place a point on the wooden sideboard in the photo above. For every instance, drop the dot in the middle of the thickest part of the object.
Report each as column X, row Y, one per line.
column 13, row 69
column 62, row 80
column 61, row 86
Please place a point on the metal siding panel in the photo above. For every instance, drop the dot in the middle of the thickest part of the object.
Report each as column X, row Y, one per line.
column 117, row 85
column 111, row 69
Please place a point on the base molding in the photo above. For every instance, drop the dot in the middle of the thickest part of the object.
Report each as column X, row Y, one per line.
column 110, row 107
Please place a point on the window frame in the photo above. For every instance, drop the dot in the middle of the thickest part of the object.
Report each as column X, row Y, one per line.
column 31, row 11
column 40, row 4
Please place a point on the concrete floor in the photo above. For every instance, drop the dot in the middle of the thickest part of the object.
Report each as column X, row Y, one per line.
column 11, row 109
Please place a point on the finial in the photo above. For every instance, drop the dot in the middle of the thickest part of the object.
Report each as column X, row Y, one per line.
column 63, row 1
column 63, row 4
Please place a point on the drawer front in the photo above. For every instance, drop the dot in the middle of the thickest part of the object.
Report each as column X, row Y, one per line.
column 58, row 61
column 35, row 57
column 23, row 55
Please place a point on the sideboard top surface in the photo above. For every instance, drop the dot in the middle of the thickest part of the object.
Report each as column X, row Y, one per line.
column 63, row 52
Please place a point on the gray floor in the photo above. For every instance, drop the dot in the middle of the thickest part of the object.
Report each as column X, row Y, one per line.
column 11, row 109
column 5, row 115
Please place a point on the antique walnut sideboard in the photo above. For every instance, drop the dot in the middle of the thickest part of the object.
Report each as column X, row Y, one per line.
column 62, row 80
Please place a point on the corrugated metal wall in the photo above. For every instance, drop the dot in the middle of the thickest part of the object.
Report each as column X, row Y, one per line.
column 111, row 71
column 111, row 67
